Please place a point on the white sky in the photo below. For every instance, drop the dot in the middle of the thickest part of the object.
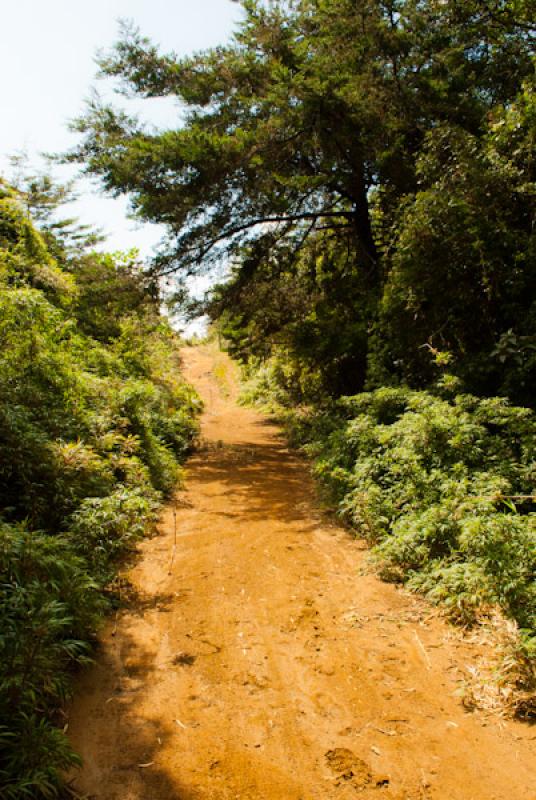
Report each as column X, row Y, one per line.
column 47, row 68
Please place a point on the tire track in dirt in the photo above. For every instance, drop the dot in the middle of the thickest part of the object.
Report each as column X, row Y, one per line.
column 266, row 666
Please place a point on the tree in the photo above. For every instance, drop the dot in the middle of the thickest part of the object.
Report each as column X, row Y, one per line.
column 463, row 277
column 44, row 198
column 307, row 130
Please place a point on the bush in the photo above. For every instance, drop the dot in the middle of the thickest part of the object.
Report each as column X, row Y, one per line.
column 103, row 528
column 49, row 606
column 442, row 485
column 94, row 421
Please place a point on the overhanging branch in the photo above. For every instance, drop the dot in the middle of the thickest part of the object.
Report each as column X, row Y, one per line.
column 230, row 232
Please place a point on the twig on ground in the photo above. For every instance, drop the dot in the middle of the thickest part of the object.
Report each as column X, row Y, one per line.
column 174, row 537
column 426, row 656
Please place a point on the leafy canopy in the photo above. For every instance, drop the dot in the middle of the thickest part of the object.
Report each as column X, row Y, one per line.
column 364, row 169
column 309, row 106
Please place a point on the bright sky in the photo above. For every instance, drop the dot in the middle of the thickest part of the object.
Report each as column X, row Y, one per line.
column 47, row 68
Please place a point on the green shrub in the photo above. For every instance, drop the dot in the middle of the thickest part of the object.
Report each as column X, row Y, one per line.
column 49, row 606
column 94, row 421
column 443, row 486
column 103, row 528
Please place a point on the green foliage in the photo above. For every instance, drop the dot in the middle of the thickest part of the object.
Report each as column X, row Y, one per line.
column 102, row 528
column 49, row 606
column 24, row 257
column 309, row 314
column 111, row 287
column 473, row 215
column 44, row 199
column 94, row 421
column 443, row 486
column 367, row 170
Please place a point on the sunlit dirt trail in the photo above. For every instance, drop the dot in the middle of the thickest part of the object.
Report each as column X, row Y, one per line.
column 257, row 662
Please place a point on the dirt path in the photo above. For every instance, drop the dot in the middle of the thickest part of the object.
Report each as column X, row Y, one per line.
column 265, row 666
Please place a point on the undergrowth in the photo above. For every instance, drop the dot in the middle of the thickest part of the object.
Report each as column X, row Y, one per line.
column 95, row 419
column 442, row 485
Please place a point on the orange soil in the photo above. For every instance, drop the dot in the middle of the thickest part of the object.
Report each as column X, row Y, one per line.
column 263, row 665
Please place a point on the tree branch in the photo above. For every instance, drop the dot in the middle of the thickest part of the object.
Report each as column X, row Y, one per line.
column 227, row 234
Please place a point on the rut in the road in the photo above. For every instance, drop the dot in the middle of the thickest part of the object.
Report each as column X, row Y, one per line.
column 266, row 665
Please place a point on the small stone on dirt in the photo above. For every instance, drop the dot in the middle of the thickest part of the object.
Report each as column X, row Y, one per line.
column 349, row 767
column 183, row 659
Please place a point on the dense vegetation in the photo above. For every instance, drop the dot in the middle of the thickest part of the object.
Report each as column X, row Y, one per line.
column 94, row 421
column 366, row 167
column 441, row 483
column 363, row 174
column 366, row 171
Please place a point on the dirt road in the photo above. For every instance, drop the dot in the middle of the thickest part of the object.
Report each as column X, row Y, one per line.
column 265, row 666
